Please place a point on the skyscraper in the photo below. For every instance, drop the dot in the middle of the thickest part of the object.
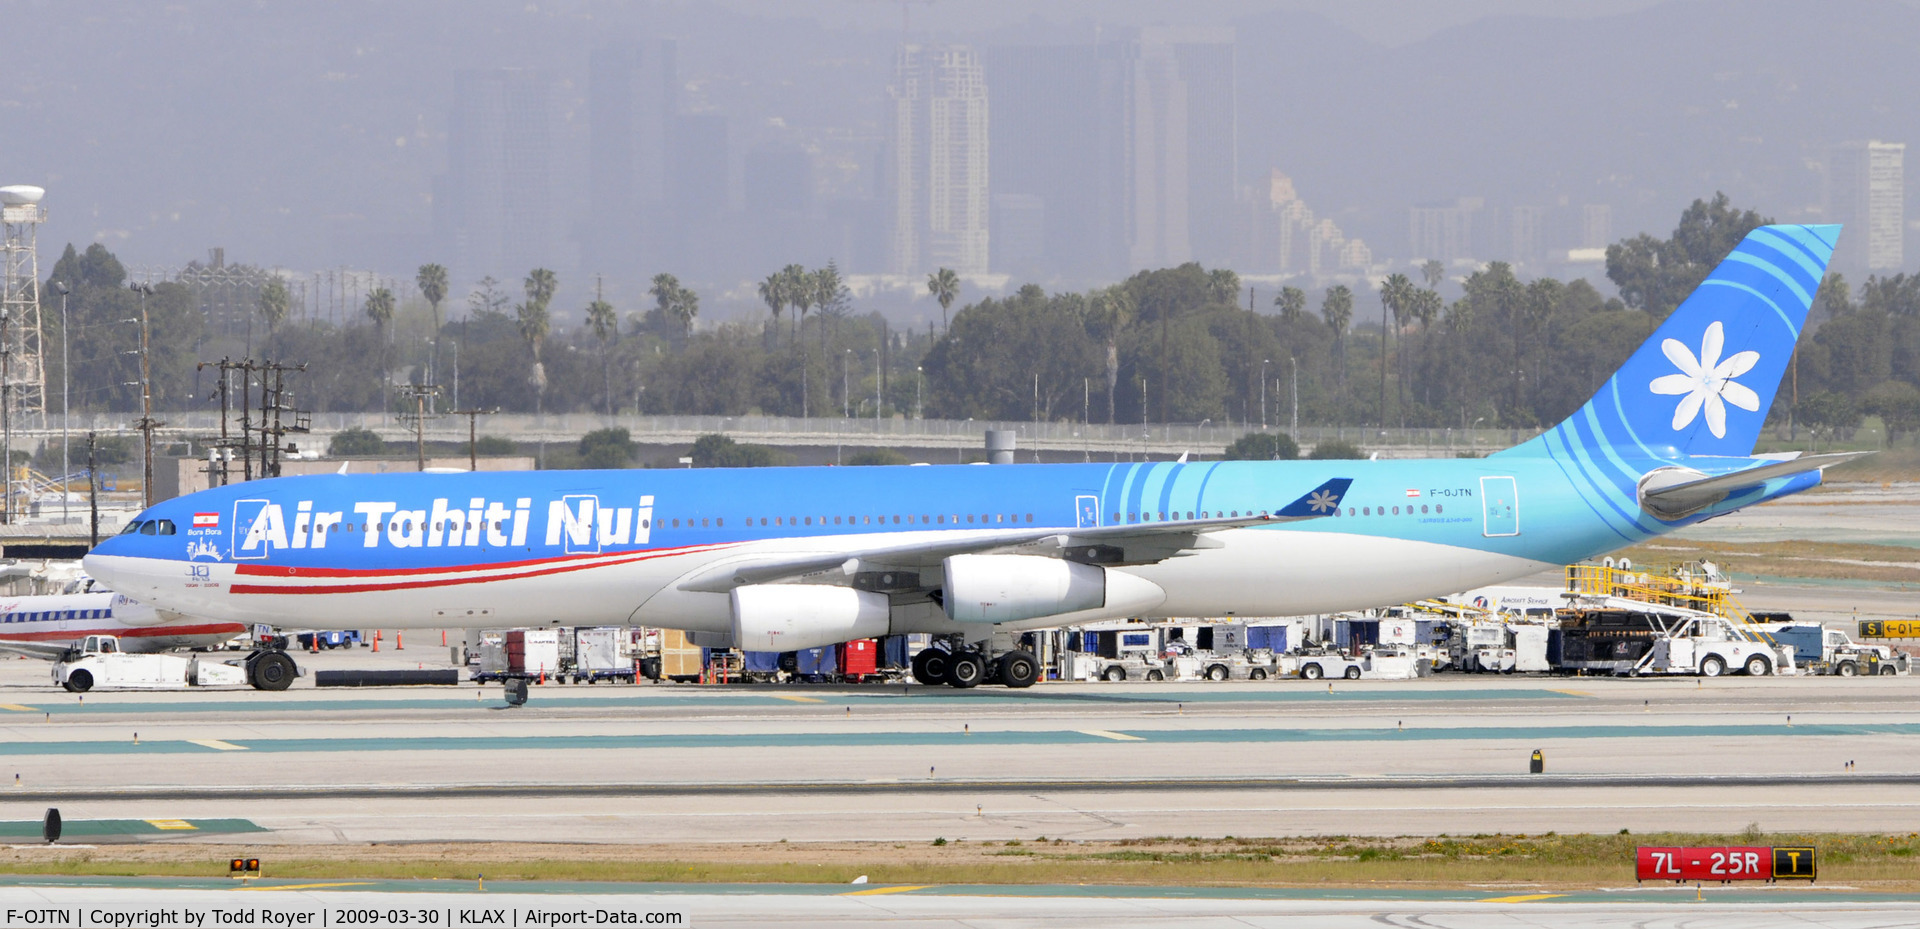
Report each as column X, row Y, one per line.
column 630, row 108
column 1867, row 192
column 936, row 176
column 496, row 207
column 1055, row 146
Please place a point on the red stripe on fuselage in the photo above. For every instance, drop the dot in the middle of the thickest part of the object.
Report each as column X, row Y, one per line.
column 264, row 570
column 625, row 558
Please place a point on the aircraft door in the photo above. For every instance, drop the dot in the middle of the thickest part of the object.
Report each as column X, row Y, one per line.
column 1087, row 510
column 1499, row 506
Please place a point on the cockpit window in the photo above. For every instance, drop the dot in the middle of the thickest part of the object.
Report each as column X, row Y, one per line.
column 132, row 528
column 165, row 527
column 148, row 527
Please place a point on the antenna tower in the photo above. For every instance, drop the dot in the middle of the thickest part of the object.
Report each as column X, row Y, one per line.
column 25, row 379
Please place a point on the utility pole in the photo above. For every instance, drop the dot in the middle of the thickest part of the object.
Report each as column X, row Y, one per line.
column 93, row 497
column 420, row 393
column 473, row 439
column 1293, row 392
column 146, row 423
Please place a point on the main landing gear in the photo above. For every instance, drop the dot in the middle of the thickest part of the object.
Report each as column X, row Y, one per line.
column 967, row 668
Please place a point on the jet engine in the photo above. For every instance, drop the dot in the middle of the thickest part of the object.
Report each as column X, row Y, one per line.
column 790, row 617
column 1010, row 588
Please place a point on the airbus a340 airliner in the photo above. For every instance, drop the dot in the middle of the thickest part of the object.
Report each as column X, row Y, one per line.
column 777, row 559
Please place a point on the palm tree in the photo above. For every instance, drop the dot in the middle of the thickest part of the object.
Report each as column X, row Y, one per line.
column 829, row 296
column 1396, row 299
column 1434, row 272
column 379, row 307
column 675, row 302
column 605, row 323
column 799, row 295
column 534, row 323
column 1223, row 286
column 1338, row 309
column 945, row 287
column 274, row 303
column 432, row 281
column 1426, row 307
column 1110, row 310
column 773, row 292
column 1292, row 302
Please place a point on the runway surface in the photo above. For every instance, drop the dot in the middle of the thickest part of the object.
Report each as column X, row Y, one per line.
column 1096, row 761
column 1051, row 907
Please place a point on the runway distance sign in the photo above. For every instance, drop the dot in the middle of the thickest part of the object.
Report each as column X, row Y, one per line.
column 1723, row 865
column 1890, row 628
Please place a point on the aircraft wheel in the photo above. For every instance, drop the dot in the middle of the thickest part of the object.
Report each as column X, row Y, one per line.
column 272, row 671
column 930, row 666
column 1353, row 672
column 1312, row 671
column 1019, row 669
column 966, row 671
column 80, row 681
column 517, row 691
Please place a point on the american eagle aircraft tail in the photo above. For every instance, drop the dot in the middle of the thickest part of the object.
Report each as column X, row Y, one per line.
column 778, row 559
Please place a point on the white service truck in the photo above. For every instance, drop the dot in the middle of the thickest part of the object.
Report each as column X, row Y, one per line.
column 1819, row 650
column 98, row 663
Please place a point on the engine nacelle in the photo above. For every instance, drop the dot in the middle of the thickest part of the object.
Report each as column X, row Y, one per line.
column 1010, row 588
column 790, row 617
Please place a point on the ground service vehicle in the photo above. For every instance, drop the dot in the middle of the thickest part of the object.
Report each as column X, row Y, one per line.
column 1615, row 635
column 1819, row 650
column 98, row 662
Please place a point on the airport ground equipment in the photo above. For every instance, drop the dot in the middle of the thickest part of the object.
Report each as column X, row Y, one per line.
column 98, row 663
column 1819, row 650
column 327, row 639
column 1615, row 635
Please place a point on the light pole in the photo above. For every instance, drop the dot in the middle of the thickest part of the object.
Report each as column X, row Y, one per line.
column 145, row 289
column 1476, row 435
column 846, row 402
column 1293, row 394
column 876, row 391
column 1263, row 391
column 66, row 381
column 919, row 377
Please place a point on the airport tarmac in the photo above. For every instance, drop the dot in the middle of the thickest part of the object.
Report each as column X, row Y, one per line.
column 971, row 907
column 686, row 763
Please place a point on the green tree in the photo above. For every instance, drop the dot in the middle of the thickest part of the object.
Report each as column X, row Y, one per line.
column 1897, row 403
column 534, row 322
column 1396, row 307
column 1263, row 446
column 1654, row 275
column 830, row 295
column 355, row 443
column 495, row 446
column 675, row 302
column 275, row 302
column 799, row 295
column 719, row 451
column 1335, row 450
column 1337, row 307
column 605, row 323
column 1223, row 286
column 379, row 308
column 876, row 456
column 432, row 281
column 1292, row 302
column 1109, row 312
column 773, row 292
column 606, row 449
column 1835, row 297
column 1434, row 272
column 944, row 284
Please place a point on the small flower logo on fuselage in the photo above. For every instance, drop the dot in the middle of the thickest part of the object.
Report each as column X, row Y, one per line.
column 1706, row 382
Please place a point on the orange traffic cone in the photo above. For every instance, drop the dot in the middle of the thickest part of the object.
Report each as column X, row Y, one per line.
column 376, row 640
column 543, row 676
column 399, row 642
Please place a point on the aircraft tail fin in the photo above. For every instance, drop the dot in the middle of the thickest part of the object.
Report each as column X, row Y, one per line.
column 1703, row 382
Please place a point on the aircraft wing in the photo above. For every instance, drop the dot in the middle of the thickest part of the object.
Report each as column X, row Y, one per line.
column 1126, row 544
column 1672, row 493
column 50, row 651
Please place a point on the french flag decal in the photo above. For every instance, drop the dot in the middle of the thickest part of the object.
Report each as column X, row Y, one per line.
column 206, row 520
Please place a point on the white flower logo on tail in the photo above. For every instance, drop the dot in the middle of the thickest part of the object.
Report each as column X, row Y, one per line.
column 1707, row 382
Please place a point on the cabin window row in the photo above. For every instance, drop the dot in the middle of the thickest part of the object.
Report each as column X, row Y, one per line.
column 1163, row 515
column 1382, row 511
column 45, row 616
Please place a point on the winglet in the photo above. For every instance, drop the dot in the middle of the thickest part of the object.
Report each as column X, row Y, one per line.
column 1323, row 500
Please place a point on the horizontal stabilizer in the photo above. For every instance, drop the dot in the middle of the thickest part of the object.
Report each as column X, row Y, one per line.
column 1673, row 493
column 50, row 651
